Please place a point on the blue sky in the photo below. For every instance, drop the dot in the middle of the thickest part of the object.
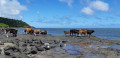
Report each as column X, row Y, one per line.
column 64, row 13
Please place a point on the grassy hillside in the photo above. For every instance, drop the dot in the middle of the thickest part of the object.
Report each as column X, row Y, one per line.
column 3, row 25
column 13, row 22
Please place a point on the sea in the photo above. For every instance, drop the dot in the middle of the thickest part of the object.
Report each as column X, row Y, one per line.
column 103, row 33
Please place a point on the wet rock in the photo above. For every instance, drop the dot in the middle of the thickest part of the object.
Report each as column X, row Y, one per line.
column 32, row 44
column 7, row 52
column 8, row 48
column 47, row 47
column 41, row 42
column 40, row 48
column 33, row 52
column 46, row 44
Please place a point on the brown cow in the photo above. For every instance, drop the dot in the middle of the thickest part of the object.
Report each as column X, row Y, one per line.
column 67, row 32
column 28, row 30
column 82, row 32
column 37, row 32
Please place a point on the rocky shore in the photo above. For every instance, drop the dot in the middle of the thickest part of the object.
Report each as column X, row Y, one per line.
column 48, row 46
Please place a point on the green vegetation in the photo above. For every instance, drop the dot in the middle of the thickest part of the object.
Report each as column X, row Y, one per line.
column 12, row 23
column 3, row 25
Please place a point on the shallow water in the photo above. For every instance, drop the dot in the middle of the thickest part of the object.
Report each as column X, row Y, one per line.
column 115, row 46
column 72, row 51
column 91, row 55
column 75, row 50
column 97, row 46
column 69, row 46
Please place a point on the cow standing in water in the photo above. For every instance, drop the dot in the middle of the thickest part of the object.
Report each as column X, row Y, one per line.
column 12, row 31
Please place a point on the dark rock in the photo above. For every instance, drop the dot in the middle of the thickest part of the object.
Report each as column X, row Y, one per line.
column 31, row 44
column 61, row 45
column 7, row 52
column 33, row 52
column 40, row 48
column 64, row 41
column 8, row 48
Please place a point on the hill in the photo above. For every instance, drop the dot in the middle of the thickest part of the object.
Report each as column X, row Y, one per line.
column 13, row 22
column 3, row 25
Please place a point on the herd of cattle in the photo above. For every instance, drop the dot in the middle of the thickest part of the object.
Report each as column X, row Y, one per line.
column 72, row 32
column 27, row 31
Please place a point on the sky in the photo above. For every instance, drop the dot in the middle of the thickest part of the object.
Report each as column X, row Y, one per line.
column 63, row 13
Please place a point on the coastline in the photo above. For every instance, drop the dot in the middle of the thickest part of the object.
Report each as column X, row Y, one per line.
column 81, row 46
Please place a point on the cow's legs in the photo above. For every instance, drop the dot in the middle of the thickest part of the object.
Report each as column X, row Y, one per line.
column 35, row 34
column 7, row 34
column 79, row 34
column 25, row 32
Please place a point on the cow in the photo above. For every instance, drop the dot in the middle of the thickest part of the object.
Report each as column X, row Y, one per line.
column 67, row 32
column 44, row 32
column 37, row 31
column 82, row 32
column 28, row 31
column 73, row 32
column 13, row 31
column 89, row 32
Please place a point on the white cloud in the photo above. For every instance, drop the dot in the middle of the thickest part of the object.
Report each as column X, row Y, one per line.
column 11, row 8
column 99, row 5
column 87, row 11
column 95, row 5
column 67, row 1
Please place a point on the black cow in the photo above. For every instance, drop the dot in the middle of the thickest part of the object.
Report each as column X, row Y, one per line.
column 13, row 31
column 89, row 32
column 44, row 32
column 73, row 32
